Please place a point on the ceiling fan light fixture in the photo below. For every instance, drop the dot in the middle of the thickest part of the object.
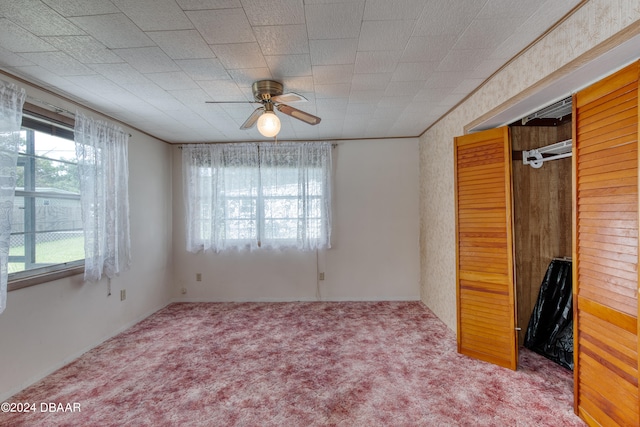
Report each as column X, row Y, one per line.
column 268, row 124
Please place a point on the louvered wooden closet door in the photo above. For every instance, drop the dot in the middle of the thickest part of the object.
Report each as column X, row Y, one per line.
column 484, row 230
column 606, row 250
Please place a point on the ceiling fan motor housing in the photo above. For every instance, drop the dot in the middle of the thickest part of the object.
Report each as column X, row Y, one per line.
column 264, row 90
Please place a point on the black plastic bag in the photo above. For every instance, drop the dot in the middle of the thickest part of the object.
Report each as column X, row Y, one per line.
column 550, row 330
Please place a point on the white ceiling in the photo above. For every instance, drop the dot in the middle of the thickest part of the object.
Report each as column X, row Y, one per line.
column 369, row 68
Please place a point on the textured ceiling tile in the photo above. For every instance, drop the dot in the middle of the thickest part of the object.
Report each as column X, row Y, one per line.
column 432, row 48
column 388, row 97
column 486, row 33
column 396, row 102
column 432, row 94
column 246, row 76
column 401, row 89
column 240, row 55
column 85, row 49
column 123, row 74
column 16, row 39
column 335, row 103
column 38, row 18
column 289, row 65
column 378, row 10
column 282, row 39
column 336, row 90
column 373, row 81
column 196, row 97
column 154, row 15
column 222, row 25
column 100, row 85
column 387, row 35
column 463, row 60
column 447, row 17
column 222, row 90
column 208, row 4
column 413, row 71
column 366, row 96
column 173, row 81
column 332, row 74
column 42, row 75
column 360, row 109
column 274, row 12
column 58, row 63
column 448, row 79
column 184, row 44
column 299, row 85
column 10, row 59
column 154, row 95
column 334, row 20
column 203, row 69
column 148, row 59
column 101, row 27
column 376, row 62
column 505, row 9
column 82, row 7
column 333, row 52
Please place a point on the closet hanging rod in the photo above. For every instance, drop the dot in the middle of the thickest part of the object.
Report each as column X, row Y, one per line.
column 536, row 157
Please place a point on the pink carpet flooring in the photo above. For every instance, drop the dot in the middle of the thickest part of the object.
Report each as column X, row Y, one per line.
column 296, row 364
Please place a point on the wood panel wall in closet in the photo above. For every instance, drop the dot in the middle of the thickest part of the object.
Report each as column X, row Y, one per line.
column 542, row 214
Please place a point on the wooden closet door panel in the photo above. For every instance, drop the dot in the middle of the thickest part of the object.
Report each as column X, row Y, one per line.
column 484, row 230
column 606, row 250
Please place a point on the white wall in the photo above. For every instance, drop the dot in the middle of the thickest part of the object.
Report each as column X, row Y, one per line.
column 48, row 325
column 375, row 253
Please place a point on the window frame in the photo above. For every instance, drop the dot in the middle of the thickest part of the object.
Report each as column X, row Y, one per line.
column 36, row 276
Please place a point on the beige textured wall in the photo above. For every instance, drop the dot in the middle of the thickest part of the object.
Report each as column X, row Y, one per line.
column 592, row 24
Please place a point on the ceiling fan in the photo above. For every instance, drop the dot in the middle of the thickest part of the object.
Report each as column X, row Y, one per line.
column 269, row 94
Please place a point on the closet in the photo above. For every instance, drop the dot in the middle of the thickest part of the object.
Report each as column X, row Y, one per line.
column 510, row 221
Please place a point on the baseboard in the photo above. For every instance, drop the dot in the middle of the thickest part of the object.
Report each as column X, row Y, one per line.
column 341, row 299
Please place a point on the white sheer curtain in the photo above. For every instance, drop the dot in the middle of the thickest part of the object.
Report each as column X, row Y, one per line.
column 296, row 194
column 221, row 183
column 102, row 151
column 11, row 102
column 241, row 196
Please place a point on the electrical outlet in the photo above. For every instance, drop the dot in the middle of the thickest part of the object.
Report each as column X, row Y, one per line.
column 123, row 294
column 184, row 290
column 321, row 276
column 198, row 277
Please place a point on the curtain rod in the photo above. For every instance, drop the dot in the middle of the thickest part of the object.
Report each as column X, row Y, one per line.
column 56, row 109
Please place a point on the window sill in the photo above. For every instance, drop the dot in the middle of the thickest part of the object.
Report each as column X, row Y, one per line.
column 44, row 275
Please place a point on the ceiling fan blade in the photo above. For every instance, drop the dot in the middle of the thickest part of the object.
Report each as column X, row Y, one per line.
column 253, row 118
column 298, row 114
column 289, row 97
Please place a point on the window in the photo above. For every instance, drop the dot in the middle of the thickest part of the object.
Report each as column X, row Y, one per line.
column 47, row 229
column 257, row 195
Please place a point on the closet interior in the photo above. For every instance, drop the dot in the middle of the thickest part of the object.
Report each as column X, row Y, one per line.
column 542, row 205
